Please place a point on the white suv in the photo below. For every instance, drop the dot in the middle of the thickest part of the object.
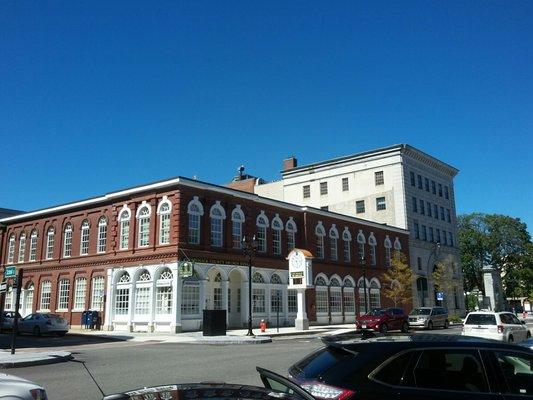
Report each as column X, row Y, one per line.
column 495, row 325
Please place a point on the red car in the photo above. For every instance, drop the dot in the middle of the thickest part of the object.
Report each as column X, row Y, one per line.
column 384, row 320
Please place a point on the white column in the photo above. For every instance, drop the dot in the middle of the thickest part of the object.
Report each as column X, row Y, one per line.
column 110, row 301
column 177, row 287
column 301, row 323
column 151, row 323
column 131, row 309
column 203, row 297
column 224, row 290
column 244, row 303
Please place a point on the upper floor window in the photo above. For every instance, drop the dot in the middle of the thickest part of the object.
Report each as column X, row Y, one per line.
column 422, row 208
column 320, row 233
column 33, row 245
column 195, row 211
column 436, row 211
column 84, row 238
column 446, row 193
column 372, row 243
column 323, row 188
column 361, row 240
column 237, row 219
column 143, row 217
column 124, row 221
column 442, row 217
column 290, row 229
column 333, row 238
column 50, row 238
column 306, row 191
column 429, row 208
column 381, row 204
column 440, row 190
column 378, row 177
column 420, row 186
column 415, row 204
column 277, row 226
column 360, row 206
column 388, row 245
column 262, row 225
column 433, row 187
column 67, row 240
column 102, row 234
column 412, row 176
column 345, row 186
column 426, row 184
column 417, row 230
column 11, row 249
column 217, row 215
column 347, row 239
column 164, row 210
column 22, row 247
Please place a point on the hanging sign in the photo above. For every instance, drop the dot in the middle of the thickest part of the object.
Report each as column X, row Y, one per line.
column 10, row 272
column 186, row 269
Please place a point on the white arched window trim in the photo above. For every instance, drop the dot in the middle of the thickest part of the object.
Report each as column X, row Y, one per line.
column 195, row 207
column 290, row 226
column 164, row 202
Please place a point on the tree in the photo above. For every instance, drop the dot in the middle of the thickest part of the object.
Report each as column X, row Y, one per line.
column 500, row 241
column 442, row 279
column 398, row 280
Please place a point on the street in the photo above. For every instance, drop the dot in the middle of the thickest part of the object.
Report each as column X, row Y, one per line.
column 120, row 366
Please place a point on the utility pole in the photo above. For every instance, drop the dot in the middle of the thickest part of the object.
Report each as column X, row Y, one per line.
column 18, row 285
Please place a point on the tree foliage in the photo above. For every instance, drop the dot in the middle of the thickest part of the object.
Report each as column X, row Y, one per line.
column 500, row 241
column 442, row 279
column 398, row 280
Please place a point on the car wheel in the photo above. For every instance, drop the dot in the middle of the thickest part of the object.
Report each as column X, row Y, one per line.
column 384, row 328
column 36, row 331
column 405, row 327
column 430, row 325
column 446, row 324
column 511, row 339
column 528, row 335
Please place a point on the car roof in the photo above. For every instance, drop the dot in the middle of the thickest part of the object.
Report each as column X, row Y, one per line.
column 490, row 312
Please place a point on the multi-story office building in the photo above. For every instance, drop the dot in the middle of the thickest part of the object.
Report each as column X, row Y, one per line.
column 397, row 185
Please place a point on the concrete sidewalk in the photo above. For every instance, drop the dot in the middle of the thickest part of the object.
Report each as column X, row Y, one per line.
column 25, row 359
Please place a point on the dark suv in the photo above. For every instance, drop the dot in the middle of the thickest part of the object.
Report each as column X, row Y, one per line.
column 383, row 320
column 417, row 367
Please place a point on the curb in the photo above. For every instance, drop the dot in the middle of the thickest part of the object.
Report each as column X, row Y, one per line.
column 29, row 363
column 219, row 342
column 117, row 338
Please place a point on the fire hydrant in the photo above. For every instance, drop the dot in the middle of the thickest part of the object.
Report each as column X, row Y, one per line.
column 263, row 325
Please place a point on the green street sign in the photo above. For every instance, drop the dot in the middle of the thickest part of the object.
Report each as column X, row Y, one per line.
column 185, row 269
column 10, row 272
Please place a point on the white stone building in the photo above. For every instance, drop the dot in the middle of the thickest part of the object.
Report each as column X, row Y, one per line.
column 397, row 185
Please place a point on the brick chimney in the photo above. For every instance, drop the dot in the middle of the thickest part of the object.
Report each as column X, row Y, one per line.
column 290, row 163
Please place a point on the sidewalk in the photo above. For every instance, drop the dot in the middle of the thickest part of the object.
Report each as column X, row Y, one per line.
column 26, row 359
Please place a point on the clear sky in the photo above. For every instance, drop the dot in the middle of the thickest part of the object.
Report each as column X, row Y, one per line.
column 98, row 96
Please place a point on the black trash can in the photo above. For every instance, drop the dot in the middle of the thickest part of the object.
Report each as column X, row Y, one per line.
column 214, row 323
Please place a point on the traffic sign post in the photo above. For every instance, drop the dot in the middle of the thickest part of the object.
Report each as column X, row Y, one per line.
column 18, row 285
column 440, row 296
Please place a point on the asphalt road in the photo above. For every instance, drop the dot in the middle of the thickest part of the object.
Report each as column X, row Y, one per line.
column 120, row 366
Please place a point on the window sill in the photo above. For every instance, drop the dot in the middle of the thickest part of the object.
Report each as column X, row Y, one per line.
column 78, row 310
column 62, row 310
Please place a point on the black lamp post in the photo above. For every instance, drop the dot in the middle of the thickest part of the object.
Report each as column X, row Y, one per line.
column 363, row 265
column 434, row 252
column 249, row 248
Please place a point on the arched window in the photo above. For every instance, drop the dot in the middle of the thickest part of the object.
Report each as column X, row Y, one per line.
column 321, row 293
column 80, row 290
column 190, row 296
column 258, row 294
column 290, row 229
column 124, row 278
column 50, row 238
column 375, row 294
column 262, row 224
column 195, row 211
column 361, row 245
column 64, row 294
column 28, row 300
column 11, row 249
column 237, row 219
column 46, row 292
column 102, row 234
column 397, row 245
column 97, row 295
column 333, row 238
column 164, row 209
column 387, row 244
column 33, row 245
column 143, row 293
column 277, row 226
column 217, row 215
column 335, row 296
column 124, row 221
column 348, row 297
column 84, row 239
column 143, row 217
column 22, row 247
column 372, row 243
column 163, row 298
column 320, row 232
column 67, row 240
column 144, row 277
column 122, row 294
column 347, row 240
column 276, row 295
column 275, row 279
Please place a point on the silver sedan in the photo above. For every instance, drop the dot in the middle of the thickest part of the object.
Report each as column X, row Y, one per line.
column 13, row 387
column 39, row 323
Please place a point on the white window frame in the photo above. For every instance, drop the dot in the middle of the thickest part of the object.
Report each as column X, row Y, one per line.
column 102, row 235
column 291, row 229
column 45, row 295
column 237, row 219
column 217, row 214
column 262, row 225
column 22, row 247
column 63, row 295
column 50, row 239
column 67, row 241
column 387, row 244
column 144, row 214
column 11, row 249
column 195, row 210
column 80, row 293
column 33, row 245
column 320, row 232
column 97, row 293
column 277, row 227
column 164, row 210
column 84, row 238
column 333, row 240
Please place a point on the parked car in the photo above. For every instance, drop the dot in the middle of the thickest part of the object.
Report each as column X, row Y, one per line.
column 8, row 319
column 39, row 323
column 383, row 320
column 421, row 366
column 528, row 343
column 276, row 387
column 13, row 387
column 495, row 325
column 429, row 317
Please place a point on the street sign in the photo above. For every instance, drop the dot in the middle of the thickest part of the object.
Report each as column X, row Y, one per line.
column 185, row 269
column 440, row 296
column 10, row 272
column 3, row 287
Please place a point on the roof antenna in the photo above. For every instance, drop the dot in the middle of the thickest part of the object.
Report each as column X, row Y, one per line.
column 195, row 177
column 240, row 170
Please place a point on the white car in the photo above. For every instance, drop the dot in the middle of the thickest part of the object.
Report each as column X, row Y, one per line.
column 503, row 326
column 13, row 387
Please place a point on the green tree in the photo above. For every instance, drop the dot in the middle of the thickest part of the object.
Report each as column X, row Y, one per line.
column 442, row 279
column 398, row 280
column 500, row 241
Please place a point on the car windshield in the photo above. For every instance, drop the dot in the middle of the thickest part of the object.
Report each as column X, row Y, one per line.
column 421, row 311
column 480, row 319
column 376, row 312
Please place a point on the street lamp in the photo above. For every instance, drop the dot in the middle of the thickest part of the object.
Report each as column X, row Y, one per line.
column 433, row 252
column 363, row 265
column 249, row 248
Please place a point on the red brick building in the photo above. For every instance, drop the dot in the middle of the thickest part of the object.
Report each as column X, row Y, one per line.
column 119, row 253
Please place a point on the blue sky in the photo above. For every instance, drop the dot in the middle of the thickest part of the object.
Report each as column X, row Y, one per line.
column 98, row 96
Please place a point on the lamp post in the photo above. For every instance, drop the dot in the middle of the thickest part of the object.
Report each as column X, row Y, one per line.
column 249, row 248
column 363, row 266
column 433, row 252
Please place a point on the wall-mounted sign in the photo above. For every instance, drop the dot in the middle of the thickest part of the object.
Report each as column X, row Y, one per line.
column 300, row 269
column 10, row 272
column 185, row 269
